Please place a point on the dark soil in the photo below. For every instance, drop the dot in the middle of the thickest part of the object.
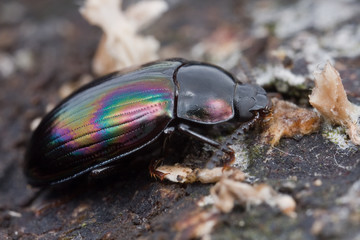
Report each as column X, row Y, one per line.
column 60, row 45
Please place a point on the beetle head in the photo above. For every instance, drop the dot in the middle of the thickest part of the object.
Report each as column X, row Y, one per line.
column 248, row 99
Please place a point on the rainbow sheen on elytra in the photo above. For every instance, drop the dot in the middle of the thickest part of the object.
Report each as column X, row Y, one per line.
column 103, row 121
column 111, row 118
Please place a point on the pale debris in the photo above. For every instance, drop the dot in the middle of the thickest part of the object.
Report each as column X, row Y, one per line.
column 14, row 214
column 227, row 191
column 304, row 47
column 330, row 100
column 230, row 188
column 35, row 123
column 279, row 72
column 24, row 60
column 307, row 46
column 289, row 20
column 343, row 41
column 7, row 65
column 121, row 45
column 181, row 174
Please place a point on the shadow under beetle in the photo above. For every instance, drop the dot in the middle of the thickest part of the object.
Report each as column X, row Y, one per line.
column 121, row 113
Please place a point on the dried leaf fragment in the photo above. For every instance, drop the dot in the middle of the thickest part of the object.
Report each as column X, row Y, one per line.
column 289, row 120
column 329, row 98
column 228, row 191
column 181, row 174
column 121, row 45
column 230, row 188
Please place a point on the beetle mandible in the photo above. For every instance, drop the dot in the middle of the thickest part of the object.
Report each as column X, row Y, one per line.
column 120, row 114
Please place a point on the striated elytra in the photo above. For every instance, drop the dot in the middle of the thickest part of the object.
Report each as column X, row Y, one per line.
column 120, row 114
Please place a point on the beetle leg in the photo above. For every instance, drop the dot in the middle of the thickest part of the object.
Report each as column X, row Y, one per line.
column 155, row 162
column 222, row 148
column 152, row 169
column 218, row 155
column 186, row 130
column 168, row 132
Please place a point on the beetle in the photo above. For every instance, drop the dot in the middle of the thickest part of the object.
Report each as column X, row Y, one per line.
column 118, row 115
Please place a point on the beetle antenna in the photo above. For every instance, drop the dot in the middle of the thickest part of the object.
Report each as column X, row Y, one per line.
column 223, row 154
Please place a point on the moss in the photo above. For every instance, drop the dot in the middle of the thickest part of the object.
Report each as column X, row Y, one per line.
column 338, row 136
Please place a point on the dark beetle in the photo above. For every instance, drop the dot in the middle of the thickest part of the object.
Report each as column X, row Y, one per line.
column 120, row 114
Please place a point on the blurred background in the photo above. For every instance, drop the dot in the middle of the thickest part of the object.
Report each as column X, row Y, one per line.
column 48, row 49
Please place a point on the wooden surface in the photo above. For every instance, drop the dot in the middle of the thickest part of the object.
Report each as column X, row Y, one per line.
column 60, row 45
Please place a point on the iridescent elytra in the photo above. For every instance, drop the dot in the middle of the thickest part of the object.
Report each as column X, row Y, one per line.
column 119, row 114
